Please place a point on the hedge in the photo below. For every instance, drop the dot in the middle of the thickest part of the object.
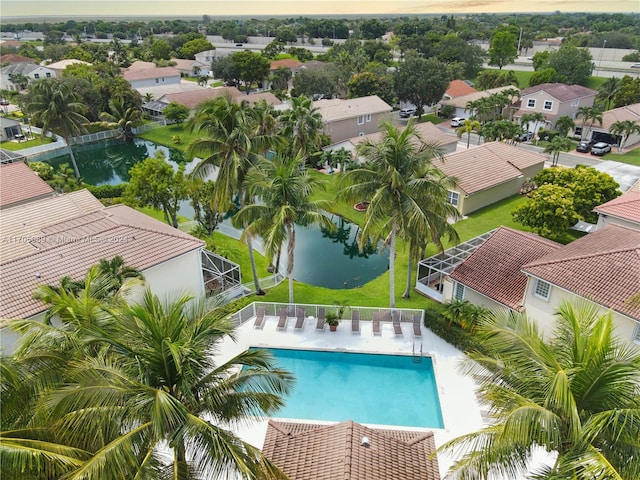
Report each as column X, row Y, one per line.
column 107, row 191
column 452, row 334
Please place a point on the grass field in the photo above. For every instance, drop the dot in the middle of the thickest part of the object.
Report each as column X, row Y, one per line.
column 632, row 157
column 525, row 76
column 15, row 146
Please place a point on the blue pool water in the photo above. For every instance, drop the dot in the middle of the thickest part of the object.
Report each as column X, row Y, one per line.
column 365, row 388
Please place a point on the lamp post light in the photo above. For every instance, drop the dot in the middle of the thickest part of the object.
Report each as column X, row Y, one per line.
column 604, row 45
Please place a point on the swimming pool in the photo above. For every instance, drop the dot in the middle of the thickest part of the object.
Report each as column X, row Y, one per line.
column 366, row 388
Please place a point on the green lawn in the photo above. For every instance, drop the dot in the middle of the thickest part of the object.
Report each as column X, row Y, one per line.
column 164, row 136
column 525, row 76
column 632, row 157
column 158, row 215
column 15, row 146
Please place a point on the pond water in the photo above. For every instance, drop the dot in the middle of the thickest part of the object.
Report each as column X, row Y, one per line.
column 322, row 258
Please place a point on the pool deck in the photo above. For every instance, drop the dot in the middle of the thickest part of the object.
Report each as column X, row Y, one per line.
column 461, row 412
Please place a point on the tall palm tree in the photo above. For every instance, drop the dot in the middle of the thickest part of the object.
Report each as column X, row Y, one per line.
column 56, row 108
column 624, row 129
column 233, row 142
column 575, row 394
column 302, row 125
column 564, row 124
column 284, row 189
column 589, row 115
column 469, row 127
column 535, row 117
column 555, row 146
column 608, row 90
column 397, row 180
column 152, row 385
column 122, row 117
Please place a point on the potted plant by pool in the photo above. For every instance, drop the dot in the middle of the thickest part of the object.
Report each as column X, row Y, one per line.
column 332, row 320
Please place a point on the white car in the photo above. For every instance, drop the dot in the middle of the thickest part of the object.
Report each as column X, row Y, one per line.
column 457, row 121
column 408, row 112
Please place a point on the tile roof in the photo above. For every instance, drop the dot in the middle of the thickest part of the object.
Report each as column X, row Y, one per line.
column 18, row 183
column 488, row 165
column 23, row 69
column 15, row 58
column 22, row 224
column 560, row 91
column 183, row 63
column 149, row 73
column 192, row 99
column 336, row 109
column 603, row 266
column 461, row 101
column 427, row 130
column 62, row 64
column 494, row 269
column 630, row 112
column 289, row 63
column 140, row 65
column 306, row 451
column 458, row 88
column 626, row 206
column 70, row 247
column 253, row 98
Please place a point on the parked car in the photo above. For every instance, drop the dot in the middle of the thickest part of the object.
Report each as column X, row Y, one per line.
column 600, row 148
column 408, row 112
column 584, row 147
column 457, row 121
column 525, row 137
column 635, row 65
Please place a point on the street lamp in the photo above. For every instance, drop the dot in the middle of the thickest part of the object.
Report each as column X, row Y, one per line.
column 604, row 45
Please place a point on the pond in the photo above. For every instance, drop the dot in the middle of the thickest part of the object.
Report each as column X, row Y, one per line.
column 322, row 258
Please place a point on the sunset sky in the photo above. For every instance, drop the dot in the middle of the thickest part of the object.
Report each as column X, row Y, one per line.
column 94, row 8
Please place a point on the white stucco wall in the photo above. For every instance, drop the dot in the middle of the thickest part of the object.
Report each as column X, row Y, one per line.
column 604, row 220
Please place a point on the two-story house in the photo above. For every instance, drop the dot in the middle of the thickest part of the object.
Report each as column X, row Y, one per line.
column 16, row 76
column 353, row 117
column 601, row 131
column 151, row 77
column 204, row 60
column 553, row 100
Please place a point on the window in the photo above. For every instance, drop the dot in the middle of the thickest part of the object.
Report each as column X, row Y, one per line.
column 360, row 119
column 157, row 80
column 636, row 336
column 542, row 289
column 548, row 105
column 368, row 117
column 531, row 103
column 48, row 75
column 453, row 198
column 575, row 103
column 458, row 292
column 36, row 76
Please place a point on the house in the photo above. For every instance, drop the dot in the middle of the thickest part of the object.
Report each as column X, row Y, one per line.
column 20, row 184
column 427, row 130
column 600, row 132
column 288, row 63
column 623, row 210
column 350, row 451
column 60, row 66
column 488, row 173
column 602, row 267
column 492, row 275
column 30, row 71
column 459, row 103
column 458, row 88
column 554, row 100
column 353, row 117
column 9, row 129
column 190, row 99
column 186, row 67
column 15, row 58
column 204, row 60
column 149, row 77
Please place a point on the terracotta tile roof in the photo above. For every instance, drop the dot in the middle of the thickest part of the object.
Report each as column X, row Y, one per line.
column 560, row 91
column 494, row 269
column 603, row 266
column 289, row 63
column 252, row 98
column 62, row 64
column 630, row 112
column 183, row 64
column 18, row 183
column 458, row 88
column 22, row 224
column 626, row 206
column 429, row 132
column 334, row 452
column 15, row 58
column 140, row 65
column 336, row 109
column 192, row 99
column 149, row 73
column 313, row 65
column 488, row 165
column 461, row 101
column 70, row 247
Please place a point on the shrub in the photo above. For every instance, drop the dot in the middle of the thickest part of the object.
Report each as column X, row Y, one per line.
column 44, row 170
column 107, row 191
column 456, row 336
column 547, row 135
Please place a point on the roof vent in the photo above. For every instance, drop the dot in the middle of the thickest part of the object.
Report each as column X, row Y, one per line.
column 37, row 274
column 365, row 442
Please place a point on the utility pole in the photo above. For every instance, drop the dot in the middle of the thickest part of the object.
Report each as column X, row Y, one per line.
column 519, row 40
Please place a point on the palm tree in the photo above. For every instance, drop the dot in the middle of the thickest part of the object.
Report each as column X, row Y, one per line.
column 233, row 143
column 302, row 125
column 151, row 385
column 536, row 117
column 608, row 91
column 555, row 146
column 564, row 124
column 469, row 127
column 589, row 115
column 55, row 107
column 397, row 180
column 575, row 394
column 624, row 129
column 122, row 117
column 284, row 189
